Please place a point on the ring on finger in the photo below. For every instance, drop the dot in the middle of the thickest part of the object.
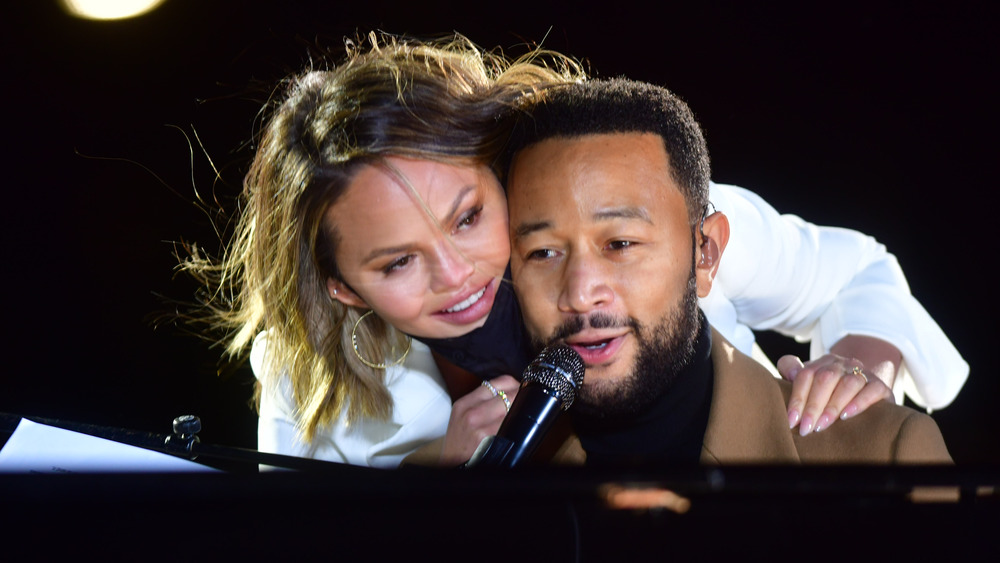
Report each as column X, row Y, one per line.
column 503, row 397
column 492, row 389
column 858, row 371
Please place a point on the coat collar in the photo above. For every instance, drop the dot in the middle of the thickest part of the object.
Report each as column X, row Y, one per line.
column 747, row 422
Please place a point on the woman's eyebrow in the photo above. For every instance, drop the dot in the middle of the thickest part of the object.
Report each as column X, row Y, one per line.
column 455, row 205
column 458, row 202
column 379, row 252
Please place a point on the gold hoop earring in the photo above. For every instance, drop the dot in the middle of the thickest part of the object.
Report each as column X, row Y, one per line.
column 357, row 352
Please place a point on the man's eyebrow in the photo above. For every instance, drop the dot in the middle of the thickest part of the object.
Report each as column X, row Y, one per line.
column 639, row 213
column 525, row 229
column 627, row 212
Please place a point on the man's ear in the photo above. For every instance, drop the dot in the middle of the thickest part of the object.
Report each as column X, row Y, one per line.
column 712, row 242
column 339, row 291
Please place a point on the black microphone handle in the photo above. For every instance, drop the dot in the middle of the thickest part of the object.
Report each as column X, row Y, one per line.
column 530, row 418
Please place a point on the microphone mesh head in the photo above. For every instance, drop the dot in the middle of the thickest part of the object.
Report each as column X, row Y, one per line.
column 560, row 370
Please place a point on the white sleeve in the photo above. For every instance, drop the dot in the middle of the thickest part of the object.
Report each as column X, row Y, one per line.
column 421, row 408
column 821, row 284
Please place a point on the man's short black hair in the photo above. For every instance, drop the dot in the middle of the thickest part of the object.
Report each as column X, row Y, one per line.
column 621, row 106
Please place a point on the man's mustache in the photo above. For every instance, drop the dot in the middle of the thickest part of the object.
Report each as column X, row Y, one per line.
column 579, row 323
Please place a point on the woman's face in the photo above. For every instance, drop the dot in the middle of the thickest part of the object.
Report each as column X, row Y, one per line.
column 429, row 259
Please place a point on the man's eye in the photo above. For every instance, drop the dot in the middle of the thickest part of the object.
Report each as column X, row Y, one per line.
column 620, row 244
column 542, row 254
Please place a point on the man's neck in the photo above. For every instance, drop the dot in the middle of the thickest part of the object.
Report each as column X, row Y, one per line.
column 670, row 430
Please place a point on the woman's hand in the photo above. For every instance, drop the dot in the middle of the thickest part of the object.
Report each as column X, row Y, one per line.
column 475, row 416
column 828, row 388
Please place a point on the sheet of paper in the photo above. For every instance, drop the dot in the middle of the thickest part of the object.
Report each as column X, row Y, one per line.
column 39, row 448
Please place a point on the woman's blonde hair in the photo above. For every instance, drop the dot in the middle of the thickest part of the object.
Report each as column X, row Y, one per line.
column 438, row 100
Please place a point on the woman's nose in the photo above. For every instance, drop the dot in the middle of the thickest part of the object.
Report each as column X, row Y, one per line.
column 451, row 267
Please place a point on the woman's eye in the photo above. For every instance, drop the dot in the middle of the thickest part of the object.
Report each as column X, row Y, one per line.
column 396, row 264
column 469, row 218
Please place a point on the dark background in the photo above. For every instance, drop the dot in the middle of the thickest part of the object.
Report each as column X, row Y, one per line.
column 879, row 119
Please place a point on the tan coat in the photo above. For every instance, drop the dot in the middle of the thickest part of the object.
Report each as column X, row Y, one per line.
column 748, row 424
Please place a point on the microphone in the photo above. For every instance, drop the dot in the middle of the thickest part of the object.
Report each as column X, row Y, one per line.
column 548, row 387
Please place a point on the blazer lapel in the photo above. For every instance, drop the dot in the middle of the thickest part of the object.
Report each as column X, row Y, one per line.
column 748, row 422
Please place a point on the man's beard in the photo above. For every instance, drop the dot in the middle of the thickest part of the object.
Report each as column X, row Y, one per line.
column 663, row 351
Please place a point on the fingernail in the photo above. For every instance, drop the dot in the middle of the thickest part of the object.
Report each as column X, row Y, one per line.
column 850, row 411
column 824, row 421
column 806, row 426
column 793, row 418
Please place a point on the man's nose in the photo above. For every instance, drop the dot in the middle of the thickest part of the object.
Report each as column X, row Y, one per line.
column 451, row 266
column 585, row 285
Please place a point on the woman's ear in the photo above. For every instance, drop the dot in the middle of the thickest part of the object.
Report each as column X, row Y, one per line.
column 712, row 242
column 338, row 290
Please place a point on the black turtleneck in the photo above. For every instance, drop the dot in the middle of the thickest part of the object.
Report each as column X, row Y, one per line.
column 670, row 431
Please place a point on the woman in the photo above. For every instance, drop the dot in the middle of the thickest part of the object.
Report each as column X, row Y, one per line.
column 372, row 213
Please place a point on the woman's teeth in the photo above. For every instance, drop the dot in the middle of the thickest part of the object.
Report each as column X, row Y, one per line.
column 467, row 303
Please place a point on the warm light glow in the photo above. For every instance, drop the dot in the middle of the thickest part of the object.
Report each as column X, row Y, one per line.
column 642, row 497
column 109, row 9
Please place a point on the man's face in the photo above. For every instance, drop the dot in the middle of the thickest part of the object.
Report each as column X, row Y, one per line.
column 602, row 260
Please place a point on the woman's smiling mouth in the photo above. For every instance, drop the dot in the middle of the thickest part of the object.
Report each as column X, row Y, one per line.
column 468, row 302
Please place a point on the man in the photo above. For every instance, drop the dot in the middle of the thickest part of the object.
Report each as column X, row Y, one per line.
column 613, row 242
